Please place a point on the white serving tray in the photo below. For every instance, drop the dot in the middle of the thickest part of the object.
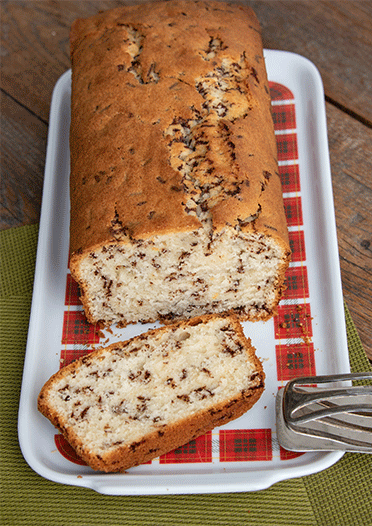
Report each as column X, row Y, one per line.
column 36, row 434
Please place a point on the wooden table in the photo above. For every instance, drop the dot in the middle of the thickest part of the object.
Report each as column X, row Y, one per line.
column 335, row 35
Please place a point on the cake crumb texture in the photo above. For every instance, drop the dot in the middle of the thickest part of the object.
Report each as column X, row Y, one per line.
column 133, row 401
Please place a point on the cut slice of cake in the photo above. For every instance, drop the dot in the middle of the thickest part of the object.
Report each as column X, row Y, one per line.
column 128, row 403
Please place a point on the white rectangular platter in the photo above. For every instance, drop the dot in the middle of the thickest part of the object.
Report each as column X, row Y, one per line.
column 307, row 337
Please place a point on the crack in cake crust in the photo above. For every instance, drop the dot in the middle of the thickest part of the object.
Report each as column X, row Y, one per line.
column 134, row 48
column 202, row 148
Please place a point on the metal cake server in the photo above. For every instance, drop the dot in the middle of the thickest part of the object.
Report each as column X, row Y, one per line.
column 326, row 413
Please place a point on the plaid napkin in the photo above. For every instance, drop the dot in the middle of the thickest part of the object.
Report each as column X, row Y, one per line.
column 340, row 495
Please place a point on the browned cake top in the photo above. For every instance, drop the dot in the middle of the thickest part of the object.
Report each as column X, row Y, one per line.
column 171, row 123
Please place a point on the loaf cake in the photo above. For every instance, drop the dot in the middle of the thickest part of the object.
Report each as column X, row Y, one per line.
column 176, row 202
column 133, row 401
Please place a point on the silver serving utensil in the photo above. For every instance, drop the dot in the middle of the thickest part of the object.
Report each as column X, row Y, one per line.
column 312, row 416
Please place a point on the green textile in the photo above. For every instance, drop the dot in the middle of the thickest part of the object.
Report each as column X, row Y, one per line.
column 339, row 496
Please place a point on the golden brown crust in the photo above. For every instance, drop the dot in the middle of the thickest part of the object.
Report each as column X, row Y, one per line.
column 168, row 437
column 121, row 175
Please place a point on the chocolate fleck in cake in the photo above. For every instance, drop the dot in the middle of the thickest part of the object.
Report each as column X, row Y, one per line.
column 176, row 203
column 135, row 400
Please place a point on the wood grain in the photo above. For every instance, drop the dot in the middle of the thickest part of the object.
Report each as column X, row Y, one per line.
column 350, row 144
column 23, row 146
column 35, row 49
column 335, row 35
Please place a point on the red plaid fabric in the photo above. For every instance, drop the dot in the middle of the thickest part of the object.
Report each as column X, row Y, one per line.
column 198, row 450
column 290, row 177
column 297, row 245
column 284, row 117
column 293, row 321
column 296, row 360
column 245, row 445
column 72, row 292
column 296, row 282
column 293, row 211
column 287, row 147
column 288, row 455
column 70, row 355
column 280, row 92
column 67, row 451
column 77, row 330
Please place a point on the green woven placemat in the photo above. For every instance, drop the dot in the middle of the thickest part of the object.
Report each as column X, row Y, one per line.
column 339, row 496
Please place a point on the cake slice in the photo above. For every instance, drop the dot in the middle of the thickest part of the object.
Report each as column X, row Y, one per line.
column 128, row 403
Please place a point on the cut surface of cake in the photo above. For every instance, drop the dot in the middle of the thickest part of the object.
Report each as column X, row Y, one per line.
column 176, row 202
column 128, row 403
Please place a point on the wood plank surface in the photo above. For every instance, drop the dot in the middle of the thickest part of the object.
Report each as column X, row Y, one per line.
column 350, row 145
column 23, row 138
column 336, row 35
